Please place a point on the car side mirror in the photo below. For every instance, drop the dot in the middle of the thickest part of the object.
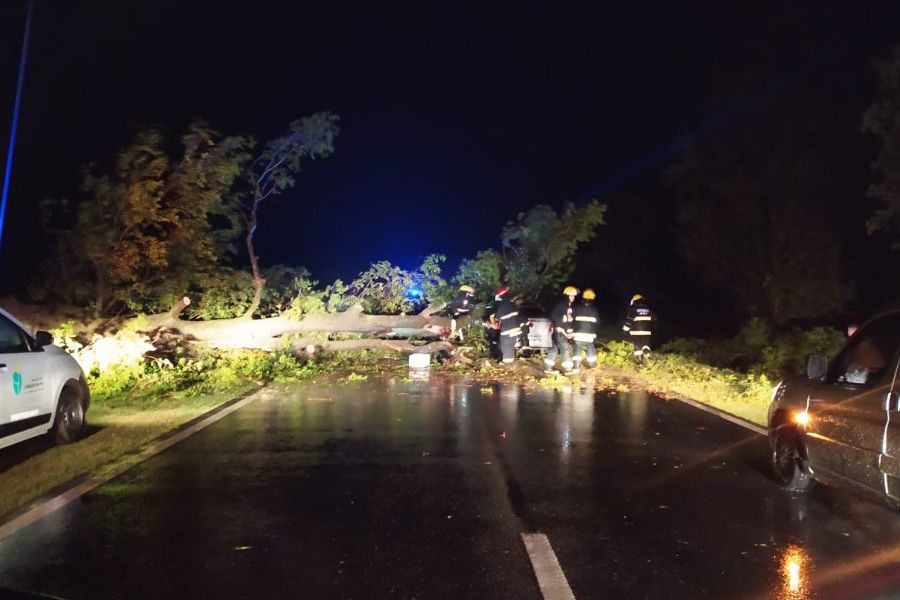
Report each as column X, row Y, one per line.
column 42, row 338
column 816, row 366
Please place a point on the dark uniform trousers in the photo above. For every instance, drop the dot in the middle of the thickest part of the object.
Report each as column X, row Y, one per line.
column 562, row 318
column 639, row 326
column 586, row 319
column 510, row 330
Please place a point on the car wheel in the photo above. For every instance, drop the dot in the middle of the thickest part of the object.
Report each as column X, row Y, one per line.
column 787, row 460
column 69, row 422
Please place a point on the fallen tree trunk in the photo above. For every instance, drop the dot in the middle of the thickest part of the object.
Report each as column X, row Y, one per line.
column 375, row 344
column 268, row 334
column 265, row 334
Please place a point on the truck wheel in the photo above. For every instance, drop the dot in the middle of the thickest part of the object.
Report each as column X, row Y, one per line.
column 69, row 422
column 787, row 461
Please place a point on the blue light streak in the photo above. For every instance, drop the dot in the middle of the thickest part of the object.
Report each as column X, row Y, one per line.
column 15, row 119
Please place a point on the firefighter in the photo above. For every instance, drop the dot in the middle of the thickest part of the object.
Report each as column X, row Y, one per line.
column 460, row 307
column 506, row 319
column 585, row 329
column 639, row 327
column 563, row 322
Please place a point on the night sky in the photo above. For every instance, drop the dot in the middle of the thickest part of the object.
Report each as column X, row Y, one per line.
column 454, row 116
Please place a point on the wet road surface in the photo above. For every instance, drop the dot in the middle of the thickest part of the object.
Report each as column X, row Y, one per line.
column 399, row 489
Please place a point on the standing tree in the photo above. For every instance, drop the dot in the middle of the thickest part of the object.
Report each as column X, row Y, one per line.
column 272, row 171
column 538, row 247
column 143, row 230
column 882, row 119
column 750, row 219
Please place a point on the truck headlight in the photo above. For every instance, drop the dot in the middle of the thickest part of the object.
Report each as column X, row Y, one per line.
column 801, row 417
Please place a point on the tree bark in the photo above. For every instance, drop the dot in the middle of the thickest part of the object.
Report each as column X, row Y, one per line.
column 179, row 305
column 100, row 295
column 258, row 281
column 268, row 334
column 265, row 334
column 396, row 345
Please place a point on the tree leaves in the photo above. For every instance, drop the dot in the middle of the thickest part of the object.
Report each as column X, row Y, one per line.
column 539, row 245
column 145, row 225
column 882, row 119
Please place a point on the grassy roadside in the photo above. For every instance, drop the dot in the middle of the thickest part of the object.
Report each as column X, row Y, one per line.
column 744, row 395
column 133, row 405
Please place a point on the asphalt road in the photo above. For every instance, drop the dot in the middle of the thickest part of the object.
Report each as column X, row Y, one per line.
column 422, row 489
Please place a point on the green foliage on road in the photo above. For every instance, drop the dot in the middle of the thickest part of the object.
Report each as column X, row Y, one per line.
column 382, row 288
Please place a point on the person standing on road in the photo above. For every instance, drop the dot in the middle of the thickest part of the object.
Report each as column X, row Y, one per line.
column 587, row 319
column 506, row 318
column 639, row 326
column 563, row 322
column 460, row 308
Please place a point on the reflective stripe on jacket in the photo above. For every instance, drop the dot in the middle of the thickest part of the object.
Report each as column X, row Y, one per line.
column 585, row 320
column 562, row 316
column 640, row 320
column 507, row 314
column 461, row 305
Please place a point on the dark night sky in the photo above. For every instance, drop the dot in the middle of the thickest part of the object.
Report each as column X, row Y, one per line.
column 454, row 116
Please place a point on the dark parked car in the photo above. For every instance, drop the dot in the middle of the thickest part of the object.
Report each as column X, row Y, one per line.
column 841, row 423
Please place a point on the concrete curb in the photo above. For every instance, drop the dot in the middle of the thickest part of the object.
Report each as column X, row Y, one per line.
column 62, row 495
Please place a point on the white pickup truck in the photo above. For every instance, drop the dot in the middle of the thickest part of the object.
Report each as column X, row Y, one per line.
column 42, row 388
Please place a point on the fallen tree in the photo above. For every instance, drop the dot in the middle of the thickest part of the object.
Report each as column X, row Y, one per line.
column 269, row 334
column 391, row 332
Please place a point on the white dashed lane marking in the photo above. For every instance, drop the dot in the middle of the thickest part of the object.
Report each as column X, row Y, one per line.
column 550, row 576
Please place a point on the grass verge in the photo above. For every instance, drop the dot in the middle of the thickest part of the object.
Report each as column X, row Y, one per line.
column 744, row 395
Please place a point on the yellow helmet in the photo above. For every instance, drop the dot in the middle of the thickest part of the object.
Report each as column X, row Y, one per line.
column 636, row 297
column 467, row 288
column 570, row 290
column 589, row 294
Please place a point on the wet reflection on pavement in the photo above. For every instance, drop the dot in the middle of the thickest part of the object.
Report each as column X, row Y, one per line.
column 402, row 487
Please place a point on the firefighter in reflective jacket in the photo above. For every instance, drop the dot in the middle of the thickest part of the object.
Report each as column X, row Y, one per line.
column 460, row 307
column 506, row 317
column 585, row 328
column 563, row 324
column 639, row 326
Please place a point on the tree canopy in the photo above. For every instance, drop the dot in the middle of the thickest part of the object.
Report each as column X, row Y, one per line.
column 750, row 223
column 143, row 229
column 539, row 245
column 882, row 119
